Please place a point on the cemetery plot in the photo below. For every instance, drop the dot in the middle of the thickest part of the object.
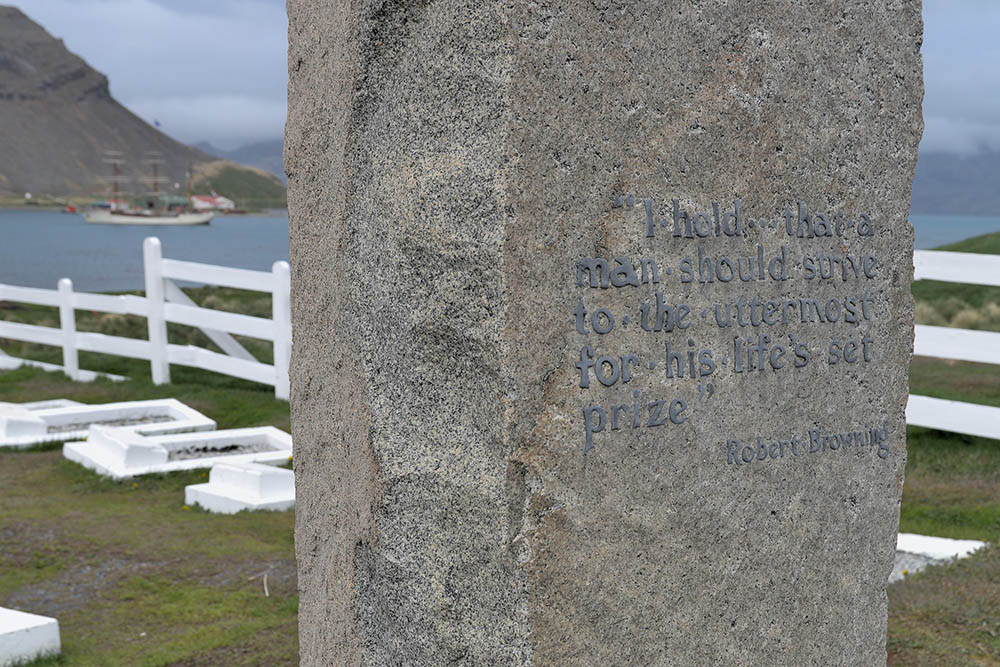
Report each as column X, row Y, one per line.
column 123, row 452
column 23, row 426
column 233, row 487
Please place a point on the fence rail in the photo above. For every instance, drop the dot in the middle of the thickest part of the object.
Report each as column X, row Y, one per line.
column 958, row 344
column 165, row 302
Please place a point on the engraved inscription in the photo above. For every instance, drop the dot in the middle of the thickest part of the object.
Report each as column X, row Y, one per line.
column 814, row 441
column 681, row 292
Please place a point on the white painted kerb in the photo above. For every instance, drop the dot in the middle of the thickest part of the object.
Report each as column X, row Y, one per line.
column 232, row 487
column 938, row 548
column 916, row 552
column 121, row 452
column 46, row 405
column 24, row 637
column 25, row 425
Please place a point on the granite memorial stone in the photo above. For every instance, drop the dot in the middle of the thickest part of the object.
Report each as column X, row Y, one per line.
column 601, row 328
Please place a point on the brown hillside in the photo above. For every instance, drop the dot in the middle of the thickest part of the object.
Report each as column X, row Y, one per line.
column 57, row 117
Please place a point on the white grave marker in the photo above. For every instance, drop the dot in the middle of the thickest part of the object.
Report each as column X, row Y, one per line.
column 25, row 637
column 122, row 452
column 232, row 487
column 27, row 424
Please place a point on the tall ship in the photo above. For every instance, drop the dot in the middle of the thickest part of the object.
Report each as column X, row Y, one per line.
column 155, row 208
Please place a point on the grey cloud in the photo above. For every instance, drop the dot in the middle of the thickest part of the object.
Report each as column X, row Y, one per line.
column 206, row 70
column 964, row 137
column 215, row 69
column 221, row 7
column 234, row 120
column 961, row 78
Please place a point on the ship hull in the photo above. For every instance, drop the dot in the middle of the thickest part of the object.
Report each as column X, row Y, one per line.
column 106, row 217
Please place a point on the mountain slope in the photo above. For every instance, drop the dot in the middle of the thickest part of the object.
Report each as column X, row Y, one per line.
column 266, row 155
column 947, row 183
column 57, row 117
column 249, row 187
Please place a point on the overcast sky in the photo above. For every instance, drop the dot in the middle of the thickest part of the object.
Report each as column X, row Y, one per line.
column 961, row 75
column 215, row 69
column 208, row 70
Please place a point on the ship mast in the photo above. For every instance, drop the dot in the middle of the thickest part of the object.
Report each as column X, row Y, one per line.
column 154, row 159
column 114, row 158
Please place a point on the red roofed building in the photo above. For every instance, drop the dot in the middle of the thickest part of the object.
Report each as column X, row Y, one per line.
column 212, row 203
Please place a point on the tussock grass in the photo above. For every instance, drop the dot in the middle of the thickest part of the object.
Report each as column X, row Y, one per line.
column 954, row 312
column 957, row 305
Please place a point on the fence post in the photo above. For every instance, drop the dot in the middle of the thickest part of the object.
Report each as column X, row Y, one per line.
column 281, row 314
column 152, row 259
column 67, row 322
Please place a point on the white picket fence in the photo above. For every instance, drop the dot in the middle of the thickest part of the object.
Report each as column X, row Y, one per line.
column 165, row 302
column 959, row 344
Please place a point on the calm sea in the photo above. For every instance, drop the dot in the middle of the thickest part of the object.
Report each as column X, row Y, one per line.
column 932, row 231
column 37, row 248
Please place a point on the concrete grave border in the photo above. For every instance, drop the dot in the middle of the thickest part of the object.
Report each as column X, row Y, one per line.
column 122, row 452
column 233, row 487
column 46, row 405
column 23, row 426
column 915, row 552
column 25, row 637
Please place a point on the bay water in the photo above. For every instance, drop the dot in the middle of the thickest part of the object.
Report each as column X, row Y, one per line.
column 37, row 248
column 931, row 231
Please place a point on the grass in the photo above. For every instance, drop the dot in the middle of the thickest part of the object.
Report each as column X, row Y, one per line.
column 950, row 615
column 987, row 244
column 134, row 576
column 959, row 305
column 947, row 615
column 952, row 486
